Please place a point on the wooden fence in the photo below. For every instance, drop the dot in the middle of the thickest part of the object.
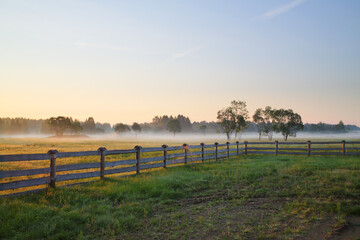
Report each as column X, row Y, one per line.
column 25, row 180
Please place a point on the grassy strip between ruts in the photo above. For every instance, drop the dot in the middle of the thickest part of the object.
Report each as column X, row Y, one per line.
column 242, row 198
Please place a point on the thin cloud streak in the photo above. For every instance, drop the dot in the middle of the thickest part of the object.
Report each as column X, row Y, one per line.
column 183, row 54
column 83, row 45
column 283, row 9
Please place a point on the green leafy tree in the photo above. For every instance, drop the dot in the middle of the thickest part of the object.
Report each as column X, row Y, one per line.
column 89, row 125
column 241, row 116
column 203, row 129
column 76, row 127
column 226, row 120
column 340, row 127
column 233, row 118
column 174, row 126
column 136, row 127
column 59, row 124
column 121, row 128
column 287, row 122
column 263, row 118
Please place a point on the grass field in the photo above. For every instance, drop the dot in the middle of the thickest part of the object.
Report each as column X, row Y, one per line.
column 262, row 197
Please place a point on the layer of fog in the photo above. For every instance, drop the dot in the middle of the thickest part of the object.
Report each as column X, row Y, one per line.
column 192, row 137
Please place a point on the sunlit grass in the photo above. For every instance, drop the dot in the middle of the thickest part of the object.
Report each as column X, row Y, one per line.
column 169, row 203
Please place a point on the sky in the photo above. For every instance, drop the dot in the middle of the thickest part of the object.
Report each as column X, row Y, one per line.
column 127, row 61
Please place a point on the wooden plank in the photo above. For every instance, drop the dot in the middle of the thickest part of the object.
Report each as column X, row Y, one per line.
column 73, row 176
column 152, row 159
column 326, row 142
column 293, row 153
column 352, row 148
column 293, row 149
column 352, row 153
column 175, row 155
column 326, row 149
column 24, row 172
column 121, row 162
column 261, row 148
column 78, row 166
column 222, row 156
column 23, row 192
column 194, row 146
column 260, row 152
column 77, row 154
column 24, row 183
column 153, row 149
column 120, row 170
column 175, row 161
column 175, row 148
column 24, row 157
column 260, row 143
column 153, row 165
column 293, row 143
column 222, row 150
column 113, row 152
column 353, row 142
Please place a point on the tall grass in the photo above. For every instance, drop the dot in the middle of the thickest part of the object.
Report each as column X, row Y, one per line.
column 130, row 207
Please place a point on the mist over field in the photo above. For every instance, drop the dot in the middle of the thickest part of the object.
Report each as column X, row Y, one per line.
column 190, row 137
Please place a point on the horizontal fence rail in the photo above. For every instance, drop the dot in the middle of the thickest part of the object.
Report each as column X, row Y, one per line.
column 109, row 163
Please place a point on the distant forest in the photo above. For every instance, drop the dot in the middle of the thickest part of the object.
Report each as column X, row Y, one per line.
column 10, row 126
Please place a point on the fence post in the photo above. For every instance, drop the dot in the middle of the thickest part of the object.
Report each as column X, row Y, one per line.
column 276, row 147
column 165, row 153
column 185, row 151
column 102, row 162
column 237, row 148
column 228, row 149
column 52, row 168
column 308, row 148
column 202, row 152
column 138, row 149
column 245, row 147
column 216, row 151
column 343, row 148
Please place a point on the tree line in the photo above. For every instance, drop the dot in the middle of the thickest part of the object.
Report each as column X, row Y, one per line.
column 232, row 120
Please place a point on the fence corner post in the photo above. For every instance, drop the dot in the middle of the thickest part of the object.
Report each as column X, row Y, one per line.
column 245, row 147
column 308, row 148
column 276, row 147
column 343, row 147
column 165, row 153
column 138, row 150
column 102, row 162
column 52, row 167
column 237, row 148
column 228, row 150
column 202, row 152
column 185, row 151
column 216, row 151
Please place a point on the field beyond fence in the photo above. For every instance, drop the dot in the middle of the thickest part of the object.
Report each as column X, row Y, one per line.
column 39, row 171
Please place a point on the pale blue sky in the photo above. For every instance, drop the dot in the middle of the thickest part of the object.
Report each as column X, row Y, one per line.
column 125, row 61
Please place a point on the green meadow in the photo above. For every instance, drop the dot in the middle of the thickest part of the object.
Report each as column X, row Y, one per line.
column 253, row 197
